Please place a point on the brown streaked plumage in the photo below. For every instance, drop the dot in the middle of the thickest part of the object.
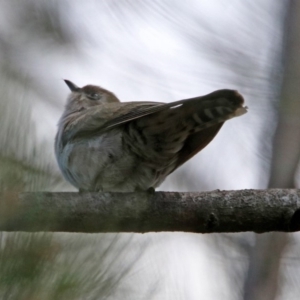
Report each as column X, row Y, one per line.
column 103, row 144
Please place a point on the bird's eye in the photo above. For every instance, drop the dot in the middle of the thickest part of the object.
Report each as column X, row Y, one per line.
column 94, row 96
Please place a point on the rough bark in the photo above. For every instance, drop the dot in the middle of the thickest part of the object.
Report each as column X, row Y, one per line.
column 216, row 211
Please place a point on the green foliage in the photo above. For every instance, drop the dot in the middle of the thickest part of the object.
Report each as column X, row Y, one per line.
column 61, row 266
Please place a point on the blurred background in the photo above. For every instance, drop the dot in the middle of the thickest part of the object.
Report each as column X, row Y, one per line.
column 157, row 51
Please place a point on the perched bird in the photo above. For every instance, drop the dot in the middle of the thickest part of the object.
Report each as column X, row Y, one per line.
column 103, row 144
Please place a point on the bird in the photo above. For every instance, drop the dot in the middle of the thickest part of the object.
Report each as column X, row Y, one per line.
column 105, row 145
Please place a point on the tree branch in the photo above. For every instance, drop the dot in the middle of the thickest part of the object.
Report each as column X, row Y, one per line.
column 216, row 211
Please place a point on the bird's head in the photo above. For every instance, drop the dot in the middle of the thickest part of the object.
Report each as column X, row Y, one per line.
column 87, row 96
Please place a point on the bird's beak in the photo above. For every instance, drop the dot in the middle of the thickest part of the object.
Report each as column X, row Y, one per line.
column 73, row 87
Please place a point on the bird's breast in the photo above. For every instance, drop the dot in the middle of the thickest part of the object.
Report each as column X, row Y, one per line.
column 104, row 163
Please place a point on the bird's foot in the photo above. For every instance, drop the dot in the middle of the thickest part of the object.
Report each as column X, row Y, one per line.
column 151, row 191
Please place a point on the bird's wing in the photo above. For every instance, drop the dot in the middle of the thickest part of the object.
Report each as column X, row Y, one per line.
column 134, row 110
column 169, row 130
column 196, row 142
column 99, row 119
